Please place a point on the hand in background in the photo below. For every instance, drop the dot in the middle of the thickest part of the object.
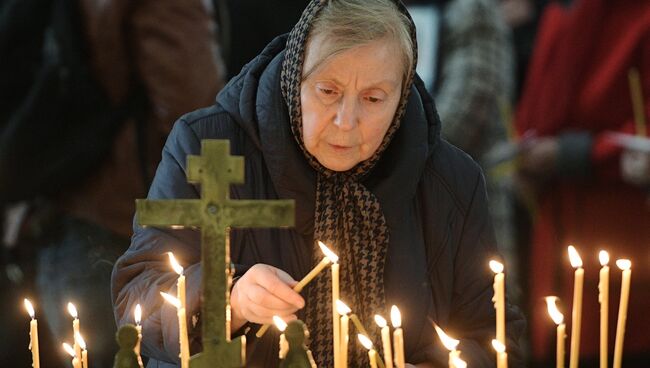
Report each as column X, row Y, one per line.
column 635, row 167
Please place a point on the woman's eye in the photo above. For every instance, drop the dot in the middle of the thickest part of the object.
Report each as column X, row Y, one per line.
column 326, row 91
column 372, row 99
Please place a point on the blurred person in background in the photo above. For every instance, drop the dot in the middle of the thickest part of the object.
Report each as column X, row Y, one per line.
column 589, row 192
column 162, row 59
column 466, row 63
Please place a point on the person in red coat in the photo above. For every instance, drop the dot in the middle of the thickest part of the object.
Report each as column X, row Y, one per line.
column 576, row 94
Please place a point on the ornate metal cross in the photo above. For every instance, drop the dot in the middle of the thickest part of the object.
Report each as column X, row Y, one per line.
column 215, row 214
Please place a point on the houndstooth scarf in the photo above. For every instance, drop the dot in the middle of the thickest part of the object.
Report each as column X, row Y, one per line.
column 348, row 217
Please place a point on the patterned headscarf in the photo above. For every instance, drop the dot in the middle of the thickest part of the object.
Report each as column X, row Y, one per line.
column 348, row 217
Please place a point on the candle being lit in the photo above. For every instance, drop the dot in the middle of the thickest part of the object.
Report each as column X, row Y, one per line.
column 499, row 300
column 398, row 336
column 502, row 356
column 603, row 299
column 626, row 266
column 330, row 257
column 75, row 360
column 84, row 351
column 75, row 328
column 558, row 318
column 284, row 345
column 459, row 363
column 343, row 310
column 33, row 334
column 182, row 329
column 385, row 340
column 450, row 344
column 372, row 354
column 576, row 313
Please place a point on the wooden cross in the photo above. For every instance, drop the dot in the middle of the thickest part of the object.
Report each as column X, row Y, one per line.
column 215, row 214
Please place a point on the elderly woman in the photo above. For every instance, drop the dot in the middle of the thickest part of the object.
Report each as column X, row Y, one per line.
column 333, row 117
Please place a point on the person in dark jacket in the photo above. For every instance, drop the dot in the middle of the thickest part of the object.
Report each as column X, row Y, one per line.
column 332, row 116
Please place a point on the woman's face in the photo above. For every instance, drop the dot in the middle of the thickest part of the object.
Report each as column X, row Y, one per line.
column 349, row 100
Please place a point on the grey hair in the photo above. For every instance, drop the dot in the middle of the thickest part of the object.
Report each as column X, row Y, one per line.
column 347, row 24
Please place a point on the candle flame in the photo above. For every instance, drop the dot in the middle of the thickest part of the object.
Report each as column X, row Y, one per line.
column 447, row 341
column 171, row 300
column 574, row 257
column 603, row 256
column 279, row 323
column 553, row 311
column 498, row 346
column 365, row 341
column 395, row 317
column 175, row 265
column 137, row 314
column 342, row 308
column 380, row 321
column 328, row 253
column 80, row 341
column 459, row 363
column 496, row 266
column 29, row 307
column 69, row 349
column 624, row 264
column 72, row 310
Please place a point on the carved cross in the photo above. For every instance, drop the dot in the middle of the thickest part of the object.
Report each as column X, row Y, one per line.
column 215, row 213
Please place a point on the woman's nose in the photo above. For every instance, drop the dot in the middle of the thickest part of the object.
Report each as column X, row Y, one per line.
column 347, row 115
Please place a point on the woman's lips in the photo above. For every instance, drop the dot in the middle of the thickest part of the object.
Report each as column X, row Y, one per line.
column 339, row 148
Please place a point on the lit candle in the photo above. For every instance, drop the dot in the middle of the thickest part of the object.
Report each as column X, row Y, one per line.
column 336, row 323
column 576, row 313
column 137, row 314
column 343, row 311
column 502, row 356
column 182, row 330
column 372, row 354
column 180, row 284
column 499, row 300
column 450, row 344
column 284, row 345
column 458, row 362
column 84, row 352
column 398, row 336
column 75, row 361
column 33, row 334
column 75, row 328
column 626, row 266
column 330, row 257
column 558, row 318
column 385, row 340
column 603, row 299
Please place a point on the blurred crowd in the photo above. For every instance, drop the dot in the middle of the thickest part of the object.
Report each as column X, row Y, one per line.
column 551, row 98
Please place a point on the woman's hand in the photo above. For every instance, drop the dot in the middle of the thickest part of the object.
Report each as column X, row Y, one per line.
column 261, row 293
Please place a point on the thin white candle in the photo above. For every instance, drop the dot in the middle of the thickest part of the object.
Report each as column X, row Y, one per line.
column 76, row 363
column 84, row 351
column 182, row 330
column 343, row 310
column 398, row 337
column 284, row 345
column 385, row 340
column 372, row 354
column 502, row 356
column 33, row 335
column 336, row 322
column 75, row 328
column 450, row 344
column 558, row 318
column 603, row 299
column 626, row 266
column 180, row 284
column 499, row 300
column 137, row 315
column 576, row 313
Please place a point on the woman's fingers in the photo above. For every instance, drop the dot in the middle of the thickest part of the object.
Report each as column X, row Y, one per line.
column 259, row 295
column 271, row 279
